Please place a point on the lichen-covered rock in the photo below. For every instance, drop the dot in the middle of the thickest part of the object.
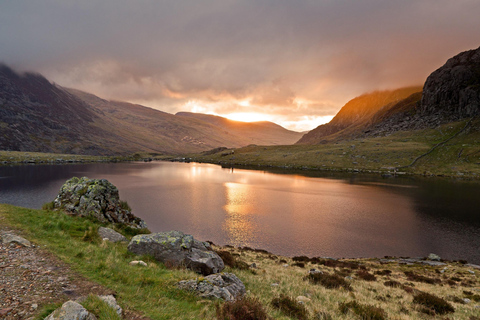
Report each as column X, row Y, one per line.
column 71, row 310
column 178, row 249
column 224, row 286
column 111, row 235
column 97, row 198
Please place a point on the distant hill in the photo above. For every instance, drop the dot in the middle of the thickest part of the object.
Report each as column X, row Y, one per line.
column 357, row 115
column 36, row 115
column 268, row 133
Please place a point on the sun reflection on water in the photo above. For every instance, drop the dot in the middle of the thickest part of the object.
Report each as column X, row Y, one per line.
column 240, row 211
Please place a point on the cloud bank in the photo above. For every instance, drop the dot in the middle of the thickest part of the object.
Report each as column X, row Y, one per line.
column 293, row 62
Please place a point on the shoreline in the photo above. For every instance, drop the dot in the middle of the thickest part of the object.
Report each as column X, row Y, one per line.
column 36, row 158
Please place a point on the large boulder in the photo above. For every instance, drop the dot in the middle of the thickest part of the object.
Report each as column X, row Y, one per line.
column 96, row 198
column 178, row 249
column 453, row 90
column 224, row 286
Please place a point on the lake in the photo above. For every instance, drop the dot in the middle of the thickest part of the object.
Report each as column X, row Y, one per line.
column 313, row 214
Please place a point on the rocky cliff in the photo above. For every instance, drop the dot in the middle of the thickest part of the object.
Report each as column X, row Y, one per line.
column 453, row 90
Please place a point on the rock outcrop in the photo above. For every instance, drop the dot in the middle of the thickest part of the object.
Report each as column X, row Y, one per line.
column 178, row 249
column 224, row 286
column 453, row 90
column 96, row 198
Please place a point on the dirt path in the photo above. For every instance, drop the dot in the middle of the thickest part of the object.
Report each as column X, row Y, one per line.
column 31, row 277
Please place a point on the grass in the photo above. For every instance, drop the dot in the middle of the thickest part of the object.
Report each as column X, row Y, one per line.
column 20, row 157
column 152, row 290
column 100, row 308
column 459, row 157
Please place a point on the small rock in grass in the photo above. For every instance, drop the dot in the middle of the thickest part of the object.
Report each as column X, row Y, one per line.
column 111, row 235
column 71, row 310
column 303, row 299
column 138, row 263
column 112, row 302
column 224, row 286
column 433, row 257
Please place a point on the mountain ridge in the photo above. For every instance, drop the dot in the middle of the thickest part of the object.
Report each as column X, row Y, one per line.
column 40, row 116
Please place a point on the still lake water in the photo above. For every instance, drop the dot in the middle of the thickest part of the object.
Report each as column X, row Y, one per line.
column 289, row 214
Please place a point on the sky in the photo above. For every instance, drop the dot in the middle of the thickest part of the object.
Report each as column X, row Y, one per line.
column 293, row 62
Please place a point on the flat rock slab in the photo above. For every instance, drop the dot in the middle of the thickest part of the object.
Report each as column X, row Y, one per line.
column 224, row 286
column 11, row 238
column 111, row 235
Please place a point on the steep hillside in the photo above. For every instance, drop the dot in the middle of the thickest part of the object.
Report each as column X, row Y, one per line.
column 36, row 115
column 356, row 114
column 261, row 132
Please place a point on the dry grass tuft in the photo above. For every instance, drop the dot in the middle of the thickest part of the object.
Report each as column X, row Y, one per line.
column 433, row 304
column 290, row 307
column 244, row 309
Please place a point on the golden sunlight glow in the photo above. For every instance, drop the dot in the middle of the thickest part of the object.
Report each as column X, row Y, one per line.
column 248, row 116
column 238, row 223
column 244, row 103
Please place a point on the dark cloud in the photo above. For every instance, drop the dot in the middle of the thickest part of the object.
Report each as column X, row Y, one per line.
column 289, row 58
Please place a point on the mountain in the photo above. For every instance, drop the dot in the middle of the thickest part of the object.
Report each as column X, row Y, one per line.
column 36, row 115
column 356, row 115
column 450, row 93
column 268, row 132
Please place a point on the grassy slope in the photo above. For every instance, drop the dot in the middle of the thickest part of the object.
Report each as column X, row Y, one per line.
column 460, row 155
column 152, row 290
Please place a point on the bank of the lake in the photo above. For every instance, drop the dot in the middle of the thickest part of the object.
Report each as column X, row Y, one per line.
column 428, row 152
column 379, row 288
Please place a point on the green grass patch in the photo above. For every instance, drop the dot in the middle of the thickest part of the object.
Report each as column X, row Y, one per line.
column 151, row 291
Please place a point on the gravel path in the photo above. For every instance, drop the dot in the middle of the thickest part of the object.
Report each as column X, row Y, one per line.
column 31, row 277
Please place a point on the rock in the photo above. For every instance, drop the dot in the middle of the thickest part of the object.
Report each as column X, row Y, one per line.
column 224, row 286
column 97, row 198
column 112, row 302
column 471, row 271
column 466, row 300
column 303, row 299
column 274, row 284
column 314, row 271
column 454, row 88
column 433, row 257
column 253, row 266
column 473, row 266
column 176, row 248
column 11, row 238
column 111, row 235
column 138, row 263
column 34, row 306
column 71, row 310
